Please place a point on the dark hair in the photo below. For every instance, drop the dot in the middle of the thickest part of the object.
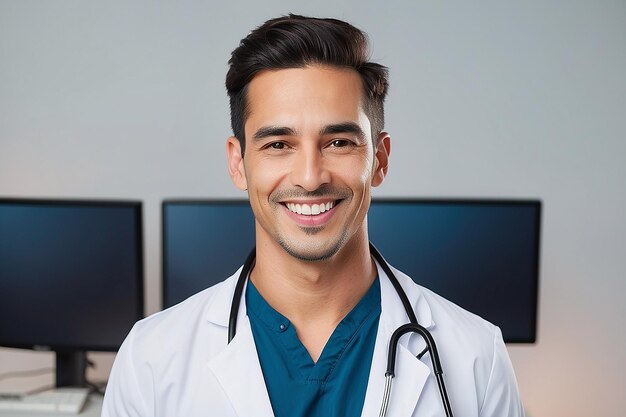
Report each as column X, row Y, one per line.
column 294, row 42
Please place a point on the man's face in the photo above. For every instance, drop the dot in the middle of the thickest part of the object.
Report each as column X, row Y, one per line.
column 310, row 160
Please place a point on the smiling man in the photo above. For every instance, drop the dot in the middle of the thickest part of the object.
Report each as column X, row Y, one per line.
column 318, row 307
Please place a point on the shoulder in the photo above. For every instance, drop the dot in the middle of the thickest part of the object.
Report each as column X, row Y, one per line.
column 203, row 316
column 178, row 318
column 162, row 353
column 464, row 336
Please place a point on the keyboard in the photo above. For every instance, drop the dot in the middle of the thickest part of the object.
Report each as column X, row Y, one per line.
column 59, row 400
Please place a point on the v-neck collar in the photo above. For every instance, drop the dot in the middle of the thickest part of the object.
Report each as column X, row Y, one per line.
column 300, row 361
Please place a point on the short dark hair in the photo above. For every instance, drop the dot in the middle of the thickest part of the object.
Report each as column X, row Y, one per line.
column 295, row 42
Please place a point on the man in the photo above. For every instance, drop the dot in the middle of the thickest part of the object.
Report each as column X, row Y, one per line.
column 317, row 312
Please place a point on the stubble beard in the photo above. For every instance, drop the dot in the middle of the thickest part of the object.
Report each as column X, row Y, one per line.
column 312, row 254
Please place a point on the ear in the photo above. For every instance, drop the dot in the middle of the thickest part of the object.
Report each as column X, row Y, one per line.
column 236, row 168
column 381, row 158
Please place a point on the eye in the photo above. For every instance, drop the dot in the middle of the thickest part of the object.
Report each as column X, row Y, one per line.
column 277, row 145
column 340, row 143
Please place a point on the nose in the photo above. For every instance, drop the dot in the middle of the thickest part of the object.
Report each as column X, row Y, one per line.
column 309, row 169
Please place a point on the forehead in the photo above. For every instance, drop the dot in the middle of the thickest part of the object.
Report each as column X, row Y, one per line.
column 302, row 96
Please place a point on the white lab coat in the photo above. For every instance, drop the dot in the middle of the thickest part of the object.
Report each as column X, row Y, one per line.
column 178, row 363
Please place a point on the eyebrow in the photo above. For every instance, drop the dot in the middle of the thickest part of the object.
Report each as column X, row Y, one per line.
column 345, row 127
column 332, row 129
column 269, row 131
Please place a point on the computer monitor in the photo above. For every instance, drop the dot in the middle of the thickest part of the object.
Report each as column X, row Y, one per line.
column 71, row 278
column 480, row 254
column 204, row 242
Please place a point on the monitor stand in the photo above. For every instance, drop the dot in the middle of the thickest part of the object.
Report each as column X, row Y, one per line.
column 70, row 369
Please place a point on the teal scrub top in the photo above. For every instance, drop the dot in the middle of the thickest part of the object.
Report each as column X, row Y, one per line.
column 334, row 386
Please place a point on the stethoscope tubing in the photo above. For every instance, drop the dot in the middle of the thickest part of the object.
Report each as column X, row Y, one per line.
column 238, row 295
column 412, row 327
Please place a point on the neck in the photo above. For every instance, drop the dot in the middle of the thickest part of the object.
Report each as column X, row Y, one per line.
column 314, row 295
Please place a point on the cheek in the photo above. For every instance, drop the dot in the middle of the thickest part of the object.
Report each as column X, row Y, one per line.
column 263, row 179
column 365, row 173
column 359, row 181
column 354, row 172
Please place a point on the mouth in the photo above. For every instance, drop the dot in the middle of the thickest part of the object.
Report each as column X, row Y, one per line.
column 311, row 209
column 311, row 214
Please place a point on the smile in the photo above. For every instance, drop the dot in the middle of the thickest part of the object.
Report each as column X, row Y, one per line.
column 309, row 209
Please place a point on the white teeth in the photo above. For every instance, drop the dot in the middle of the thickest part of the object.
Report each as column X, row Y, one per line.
column 310, row 210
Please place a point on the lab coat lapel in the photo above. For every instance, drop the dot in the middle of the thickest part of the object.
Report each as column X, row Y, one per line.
column 238, row 371
column 411, row 374
column 237, row 367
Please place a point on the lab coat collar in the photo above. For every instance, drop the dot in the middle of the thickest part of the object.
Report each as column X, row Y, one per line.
column 411, row 373
column 218, row 310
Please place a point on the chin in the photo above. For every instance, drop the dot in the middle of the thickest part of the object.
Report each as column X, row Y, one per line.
column 312, row 252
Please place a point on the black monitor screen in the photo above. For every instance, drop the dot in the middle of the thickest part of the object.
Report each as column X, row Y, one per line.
column 480, row 254
column 71, row 273
column 203, row 244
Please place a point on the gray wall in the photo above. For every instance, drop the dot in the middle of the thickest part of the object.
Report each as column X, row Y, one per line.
column 488, row 99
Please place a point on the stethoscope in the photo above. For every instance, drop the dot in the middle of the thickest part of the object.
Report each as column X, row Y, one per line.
column 412, row 327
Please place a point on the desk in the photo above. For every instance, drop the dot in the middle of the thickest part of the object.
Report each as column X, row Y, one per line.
column 93, row 408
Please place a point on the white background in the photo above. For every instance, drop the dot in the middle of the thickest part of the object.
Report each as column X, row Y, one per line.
column 488, row 99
